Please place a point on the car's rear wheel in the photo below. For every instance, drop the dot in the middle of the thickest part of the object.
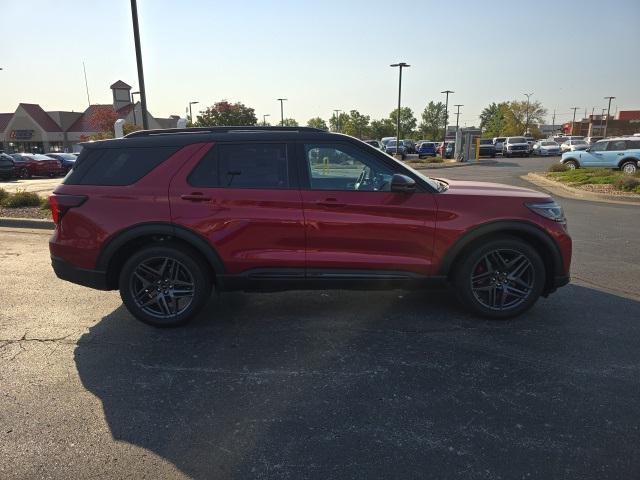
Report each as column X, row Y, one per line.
column 164, row 285
column 630, row 167
column 501, row 278
column 572, row 164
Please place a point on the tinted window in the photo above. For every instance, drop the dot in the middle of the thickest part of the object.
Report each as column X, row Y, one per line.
column 116, row 166
column 249, row 165
column 517, row 140
column 617, row 145
column 635, row 144
column 599, row 146
column 343, row 167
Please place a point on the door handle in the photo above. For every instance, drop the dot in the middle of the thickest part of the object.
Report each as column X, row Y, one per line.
column 195, row 197
column 331, row 203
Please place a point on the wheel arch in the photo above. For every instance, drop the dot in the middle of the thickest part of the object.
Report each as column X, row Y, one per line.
column 565, row 160
column 629, row 159
column 528, row 232
column 125, row 242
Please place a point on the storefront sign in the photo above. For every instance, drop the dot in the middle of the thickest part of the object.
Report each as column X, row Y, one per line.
column 21, row 134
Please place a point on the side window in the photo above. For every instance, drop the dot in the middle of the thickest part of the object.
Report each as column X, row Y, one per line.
column 633, row 144
column 116, row 166
column 249, row 165
column 344, row 167
column 599, row 146
column 617, row 145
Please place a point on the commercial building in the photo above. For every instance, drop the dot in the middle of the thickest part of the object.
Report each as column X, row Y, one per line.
column 626, row 122
column 32, row 129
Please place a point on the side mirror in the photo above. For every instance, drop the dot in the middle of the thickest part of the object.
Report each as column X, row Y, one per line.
column 402, row 184
column 588, row 149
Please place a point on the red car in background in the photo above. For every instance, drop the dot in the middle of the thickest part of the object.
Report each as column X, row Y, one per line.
column 29, row 165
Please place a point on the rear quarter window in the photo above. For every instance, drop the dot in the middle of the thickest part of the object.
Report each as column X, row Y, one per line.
column 116, row 166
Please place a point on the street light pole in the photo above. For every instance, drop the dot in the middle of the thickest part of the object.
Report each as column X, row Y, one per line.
column 574, row 118
column 400, row 65
column 282, row 100
column 135, row 122
column 526, row 125
column 337, row 114
column 602, row 121
column 457, row 115
column 264, row 119
column 446, row 118
column 136, row 37
column 606, row 125
column 191, row 113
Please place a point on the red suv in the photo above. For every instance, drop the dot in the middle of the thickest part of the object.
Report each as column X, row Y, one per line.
column 165, row 215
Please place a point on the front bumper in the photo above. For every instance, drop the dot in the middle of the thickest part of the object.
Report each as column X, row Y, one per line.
column 89, row 278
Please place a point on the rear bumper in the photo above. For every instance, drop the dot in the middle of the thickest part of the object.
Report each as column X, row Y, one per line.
column 89, row 278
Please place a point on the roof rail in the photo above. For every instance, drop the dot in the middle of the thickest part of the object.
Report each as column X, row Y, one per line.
column 173, row 131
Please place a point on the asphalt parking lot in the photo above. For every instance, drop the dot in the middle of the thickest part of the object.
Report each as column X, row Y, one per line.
column 329, row 384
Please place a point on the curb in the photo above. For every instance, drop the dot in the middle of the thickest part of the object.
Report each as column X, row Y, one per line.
column 566, row 191
column 436, row 166
column 27, row 223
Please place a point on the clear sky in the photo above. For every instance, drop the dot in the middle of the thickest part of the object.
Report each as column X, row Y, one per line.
column 324, row 55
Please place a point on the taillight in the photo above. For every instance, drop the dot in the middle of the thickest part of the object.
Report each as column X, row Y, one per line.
column 60, row 204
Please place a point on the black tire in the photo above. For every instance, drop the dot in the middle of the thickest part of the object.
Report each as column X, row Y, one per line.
column 24, row 173
column 629, row 167
column 572, row 164
column 512, row 248
column 190, row 270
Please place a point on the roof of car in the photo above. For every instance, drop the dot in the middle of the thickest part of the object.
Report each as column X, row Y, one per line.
column 185, row 136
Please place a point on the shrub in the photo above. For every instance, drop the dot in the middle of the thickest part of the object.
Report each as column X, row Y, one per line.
column 627, row 183
column 44, row 203
column 3, row 194
column 558, row 167
column 435, row 160
column 22, row 199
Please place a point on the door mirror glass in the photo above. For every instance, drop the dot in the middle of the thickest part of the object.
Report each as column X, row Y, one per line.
column 402, row 184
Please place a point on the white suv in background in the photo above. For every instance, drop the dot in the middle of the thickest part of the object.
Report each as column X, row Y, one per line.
column 515, row 146
column 573, row 145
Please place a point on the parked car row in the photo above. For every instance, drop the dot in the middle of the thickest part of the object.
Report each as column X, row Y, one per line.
column 27, row 165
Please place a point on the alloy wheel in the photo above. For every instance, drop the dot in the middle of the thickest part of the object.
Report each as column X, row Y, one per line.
column 502, row 279
column 162, row 287
column 630, row 168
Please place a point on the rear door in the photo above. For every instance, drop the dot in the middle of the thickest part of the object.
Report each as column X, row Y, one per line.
column 354, row 222
column 243, row 198
column 614, row 153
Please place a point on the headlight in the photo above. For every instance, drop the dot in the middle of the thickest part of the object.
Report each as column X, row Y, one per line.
column 551, row 210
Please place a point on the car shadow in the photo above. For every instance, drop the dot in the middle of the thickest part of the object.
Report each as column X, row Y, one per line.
column 376, row 385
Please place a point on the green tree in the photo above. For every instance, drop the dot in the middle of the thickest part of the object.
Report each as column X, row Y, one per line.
column 339, row 122
column 493, row 120
column 317, row 122
column 382, row 128
column 517, row 113
column 433, row 118
column 224, row 113
column 290, row 122
column 357, row 125
column 407, row 121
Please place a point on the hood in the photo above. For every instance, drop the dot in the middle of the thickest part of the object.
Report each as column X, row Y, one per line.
column 486, row 189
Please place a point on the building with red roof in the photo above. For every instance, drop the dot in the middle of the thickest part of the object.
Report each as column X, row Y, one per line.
column 31, row 129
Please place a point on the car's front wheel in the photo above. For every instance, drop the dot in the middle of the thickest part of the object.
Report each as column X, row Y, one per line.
column 501, row 278
column 572, row 164
column 164, row 285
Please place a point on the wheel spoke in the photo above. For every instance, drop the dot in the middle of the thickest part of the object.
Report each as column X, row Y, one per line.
column 145, row 269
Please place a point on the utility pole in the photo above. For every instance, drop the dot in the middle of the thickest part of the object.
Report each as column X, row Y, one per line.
column 136, row 37
column 602, row 121
column 606, row 125
column 457, row 115
column 446, row 118
column 337, row 112
column 574, row 118
column 400, row 65
column 553, row 121
column 526, row 125
column 282, row 100
column 86, row 84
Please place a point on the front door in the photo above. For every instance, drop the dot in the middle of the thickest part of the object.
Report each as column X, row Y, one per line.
column 595, row 156
column 243, row 198
column 354, row 222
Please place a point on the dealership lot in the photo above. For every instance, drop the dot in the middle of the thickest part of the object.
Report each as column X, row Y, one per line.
column 328, row 384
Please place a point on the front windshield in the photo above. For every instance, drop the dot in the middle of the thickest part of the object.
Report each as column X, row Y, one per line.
column 391, row 143
column 579, row 142
column 549, row 144
column 433, row 183
column 517, row 140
